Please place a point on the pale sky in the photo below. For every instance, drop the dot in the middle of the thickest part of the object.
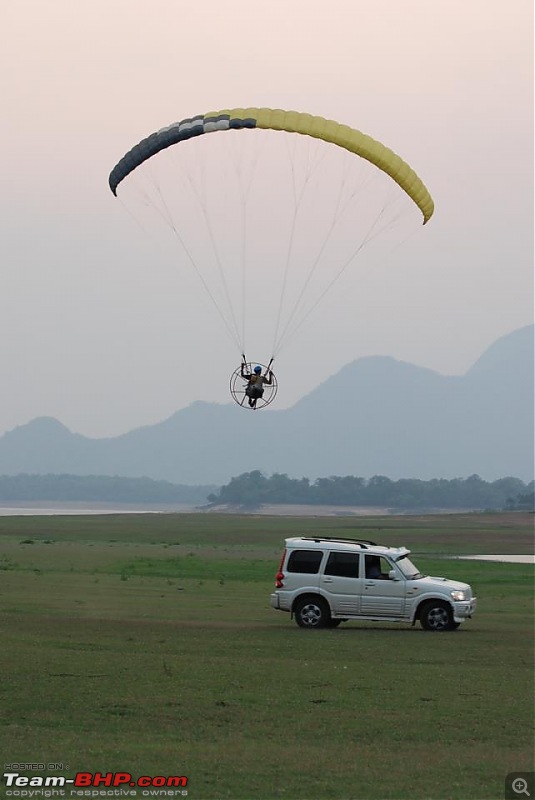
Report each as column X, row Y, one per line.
column 100, row 330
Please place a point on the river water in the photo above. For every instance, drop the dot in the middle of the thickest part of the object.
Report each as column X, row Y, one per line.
column 509, row 559
column 38, row 511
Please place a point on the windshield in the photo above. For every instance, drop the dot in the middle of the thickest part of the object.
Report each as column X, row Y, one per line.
column 408, row 569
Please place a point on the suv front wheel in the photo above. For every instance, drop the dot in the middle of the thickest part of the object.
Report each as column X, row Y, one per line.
column 437, row 616
column 312, row 612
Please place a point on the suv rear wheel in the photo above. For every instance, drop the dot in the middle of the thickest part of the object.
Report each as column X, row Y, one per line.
column 437, row 616
column 312, row 612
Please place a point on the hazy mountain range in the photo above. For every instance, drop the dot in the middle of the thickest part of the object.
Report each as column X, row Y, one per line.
column 377, row 416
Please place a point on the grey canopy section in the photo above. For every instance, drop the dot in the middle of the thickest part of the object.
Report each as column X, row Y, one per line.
column 172, row 134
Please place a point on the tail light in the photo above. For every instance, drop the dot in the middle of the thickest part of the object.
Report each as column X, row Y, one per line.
column 279, row 577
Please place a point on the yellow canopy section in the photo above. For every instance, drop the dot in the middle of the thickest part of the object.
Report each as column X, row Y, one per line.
column 342, row 135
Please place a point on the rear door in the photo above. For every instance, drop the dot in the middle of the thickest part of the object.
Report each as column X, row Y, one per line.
column 340, row 582
column 302, row 569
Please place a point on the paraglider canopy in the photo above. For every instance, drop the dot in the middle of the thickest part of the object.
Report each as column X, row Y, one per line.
column 276, row 119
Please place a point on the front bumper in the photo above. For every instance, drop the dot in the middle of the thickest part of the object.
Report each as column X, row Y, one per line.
column 464, row 609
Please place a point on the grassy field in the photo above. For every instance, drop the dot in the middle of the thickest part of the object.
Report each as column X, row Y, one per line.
column 146, row 644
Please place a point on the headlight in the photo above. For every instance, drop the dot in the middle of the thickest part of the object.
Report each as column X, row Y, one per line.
column 458, row 595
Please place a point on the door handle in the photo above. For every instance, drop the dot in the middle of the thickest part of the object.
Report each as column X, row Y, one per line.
column 327, row 580
column 370, row 583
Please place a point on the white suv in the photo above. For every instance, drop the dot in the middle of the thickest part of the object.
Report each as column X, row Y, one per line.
column 324, row 581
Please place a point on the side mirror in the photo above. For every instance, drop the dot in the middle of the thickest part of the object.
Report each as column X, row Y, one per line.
column 393, row 575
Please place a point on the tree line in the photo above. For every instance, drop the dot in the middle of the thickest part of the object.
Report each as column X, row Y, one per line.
column 253, row 489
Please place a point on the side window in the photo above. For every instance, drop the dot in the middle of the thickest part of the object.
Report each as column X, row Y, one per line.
column 377, row 567
column 344, row 565
column 304, row 561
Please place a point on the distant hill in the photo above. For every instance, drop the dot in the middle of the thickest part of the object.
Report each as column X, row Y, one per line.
column 376, row 416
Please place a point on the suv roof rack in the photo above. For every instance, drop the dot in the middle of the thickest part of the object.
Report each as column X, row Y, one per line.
column 364, row 542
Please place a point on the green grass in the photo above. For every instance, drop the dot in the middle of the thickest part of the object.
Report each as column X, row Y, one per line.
column 147, row 644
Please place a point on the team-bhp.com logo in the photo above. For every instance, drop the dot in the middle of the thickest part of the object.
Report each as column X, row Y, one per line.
column 94, row 784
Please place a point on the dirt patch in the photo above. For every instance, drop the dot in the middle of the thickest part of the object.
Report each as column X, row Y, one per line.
column 303, row 511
